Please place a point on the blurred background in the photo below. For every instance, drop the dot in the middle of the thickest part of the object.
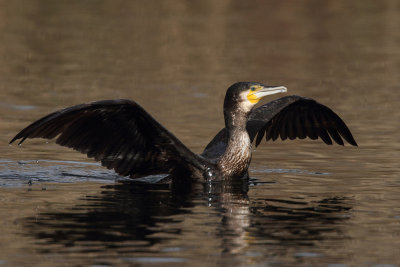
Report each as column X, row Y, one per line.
column 176, row 59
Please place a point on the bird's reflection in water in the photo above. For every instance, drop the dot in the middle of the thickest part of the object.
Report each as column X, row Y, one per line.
column 231, row 198
column 278, row 224
column 122, row 212
column 131, row 216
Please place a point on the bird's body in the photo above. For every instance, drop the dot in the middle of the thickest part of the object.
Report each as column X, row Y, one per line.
column 124, row 137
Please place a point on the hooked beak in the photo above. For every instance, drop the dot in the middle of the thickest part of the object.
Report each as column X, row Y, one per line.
column 270, row 90
column 262, row 91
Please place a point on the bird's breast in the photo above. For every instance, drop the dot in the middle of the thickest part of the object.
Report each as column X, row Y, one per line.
column 236, row 159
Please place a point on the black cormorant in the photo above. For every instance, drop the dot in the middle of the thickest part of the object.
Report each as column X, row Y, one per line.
column 124, row 137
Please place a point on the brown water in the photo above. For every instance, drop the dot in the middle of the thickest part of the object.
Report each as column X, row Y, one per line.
column 307, row 204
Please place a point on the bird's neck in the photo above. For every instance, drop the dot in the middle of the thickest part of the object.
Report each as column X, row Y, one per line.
column 236, row 158
column 235, row 120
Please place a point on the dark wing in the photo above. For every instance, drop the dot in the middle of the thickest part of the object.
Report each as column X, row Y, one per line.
column 288, row 117
column 297, row 117
column 119, row 133
column 217, row 145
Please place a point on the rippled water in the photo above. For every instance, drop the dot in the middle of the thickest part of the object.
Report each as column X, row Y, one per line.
column 306, row 203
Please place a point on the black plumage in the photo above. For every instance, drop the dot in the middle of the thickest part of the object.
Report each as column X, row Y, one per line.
column 119, row 133
column 124, row 137
column 300, row 118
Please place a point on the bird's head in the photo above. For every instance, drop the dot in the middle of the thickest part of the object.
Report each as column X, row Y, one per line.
column 245, row 95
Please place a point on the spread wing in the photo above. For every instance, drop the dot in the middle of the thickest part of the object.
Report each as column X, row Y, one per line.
column 289, row 117
column 119, row 133
column 297, row 117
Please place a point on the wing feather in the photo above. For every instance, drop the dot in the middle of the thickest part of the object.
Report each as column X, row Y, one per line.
column 321, row 130
column 269, row 131
column 260, row 136
column 291, row 132
column 299, row 117
column 119, row 133
column 299, row 124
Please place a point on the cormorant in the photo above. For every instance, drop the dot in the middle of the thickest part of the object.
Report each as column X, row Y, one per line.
column 124, row 137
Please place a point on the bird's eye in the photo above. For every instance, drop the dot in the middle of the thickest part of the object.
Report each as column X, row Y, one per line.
column 252, row 88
